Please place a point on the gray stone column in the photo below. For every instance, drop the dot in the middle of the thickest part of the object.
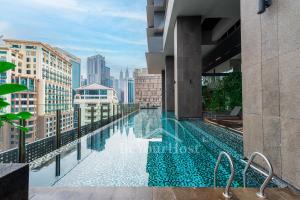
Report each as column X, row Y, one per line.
column 163, row 85
column 169, row 78
column 188, row 67
column 271, row 84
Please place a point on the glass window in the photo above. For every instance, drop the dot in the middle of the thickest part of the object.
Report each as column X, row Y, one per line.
column 92, row 92
column 16, row 46
column 31, row 85
column 103, row 92
column 24, row 81
column 81, row 92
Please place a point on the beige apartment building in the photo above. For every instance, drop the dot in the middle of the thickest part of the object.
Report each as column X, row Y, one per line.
column 148, row 88
column 94, row 95
column 48, row 75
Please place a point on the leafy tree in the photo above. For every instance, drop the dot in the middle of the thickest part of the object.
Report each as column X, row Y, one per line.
column 226, row 94
column 233, row 89
column 5, row 89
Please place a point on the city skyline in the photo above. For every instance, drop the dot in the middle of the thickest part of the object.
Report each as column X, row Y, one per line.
column 82, row 30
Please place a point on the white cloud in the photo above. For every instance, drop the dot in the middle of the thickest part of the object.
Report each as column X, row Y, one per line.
column 123, row 40
column 81, row 9
column 67, row 5
column 89, row 50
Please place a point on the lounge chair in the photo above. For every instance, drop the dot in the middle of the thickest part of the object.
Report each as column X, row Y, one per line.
column 234, row 114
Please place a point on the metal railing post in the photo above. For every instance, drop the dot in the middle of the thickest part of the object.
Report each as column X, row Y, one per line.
column 118, row 111
column 122, row 110
column 57, row 165
column 113, row 115
column 92, row 117
column 22, row 150
column 108, row 113
column 79, row 123
column 101, row 115
column 58, row 129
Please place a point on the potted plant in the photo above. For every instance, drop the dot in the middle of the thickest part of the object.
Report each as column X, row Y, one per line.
column 14, row 177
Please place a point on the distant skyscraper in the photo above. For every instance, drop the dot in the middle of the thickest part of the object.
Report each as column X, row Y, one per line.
column 125, row 92
column 95, row 69
column 121, row 80
column 83, row 81
column 131, row 91
column 106, row 78
column 116, row 86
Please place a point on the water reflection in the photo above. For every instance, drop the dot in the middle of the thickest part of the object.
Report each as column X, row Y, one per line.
column 97, row 141
column 147, row 149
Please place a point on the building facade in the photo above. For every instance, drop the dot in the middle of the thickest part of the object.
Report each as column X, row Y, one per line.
column 198, row 36
column 83, row 81
column 116, row 86
column 131, row 91
column 97, row 71
column 48, row 77
column 147, row 88
column 76, row 67
column 93, row 96
column 126, row 85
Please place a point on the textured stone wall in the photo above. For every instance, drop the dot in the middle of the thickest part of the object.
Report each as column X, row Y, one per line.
column 271, row 84
column 188, row 67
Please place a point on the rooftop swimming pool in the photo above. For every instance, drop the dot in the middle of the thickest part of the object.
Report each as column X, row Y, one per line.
column 145, row 149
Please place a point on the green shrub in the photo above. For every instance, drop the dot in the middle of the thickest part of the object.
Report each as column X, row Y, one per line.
column 226, row 95
column 5, row 89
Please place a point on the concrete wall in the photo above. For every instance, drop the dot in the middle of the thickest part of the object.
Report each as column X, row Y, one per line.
column 169, row 80
column 188, row 67
column 271, row 84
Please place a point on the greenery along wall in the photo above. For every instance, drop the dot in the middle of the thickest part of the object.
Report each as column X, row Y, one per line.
column 225, row 94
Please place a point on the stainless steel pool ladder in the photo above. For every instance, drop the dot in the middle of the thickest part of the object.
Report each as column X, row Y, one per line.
column 261, row 193
column 227, row 193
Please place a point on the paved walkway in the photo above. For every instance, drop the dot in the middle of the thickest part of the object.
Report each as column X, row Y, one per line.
column 147, row 193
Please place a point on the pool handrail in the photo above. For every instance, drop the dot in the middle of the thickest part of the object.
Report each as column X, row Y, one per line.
column 227, row 193
column 261, row 193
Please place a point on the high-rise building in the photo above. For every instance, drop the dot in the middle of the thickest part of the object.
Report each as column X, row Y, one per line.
column 124, row 87
column 83, row 81
column 95, row 69
column 105, row 77
column 121, row 82
column 116, row 86
column 76, row 67
column 93, row 96
column 147, row 88
column 131, row 91
column 48, row 76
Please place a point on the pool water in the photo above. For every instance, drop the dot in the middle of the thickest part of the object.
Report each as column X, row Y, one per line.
column 149, row 148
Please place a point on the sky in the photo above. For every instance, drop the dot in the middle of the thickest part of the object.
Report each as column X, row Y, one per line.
column 115, row 29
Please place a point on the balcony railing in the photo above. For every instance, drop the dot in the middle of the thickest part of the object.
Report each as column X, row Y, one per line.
column 47, row 145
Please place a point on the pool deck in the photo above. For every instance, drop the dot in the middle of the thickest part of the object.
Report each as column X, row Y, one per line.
column 147, row 193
